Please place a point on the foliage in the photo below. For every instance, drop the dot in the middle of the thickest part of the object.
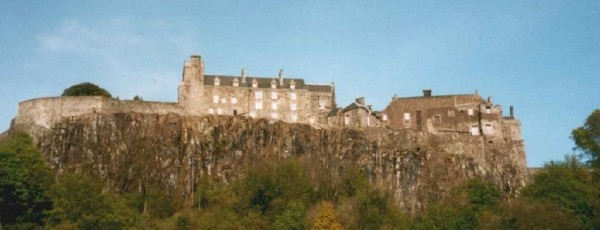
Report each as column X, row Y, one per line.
column 24, row 180
column 80, row 204
column 326, row 218
column 85, row 89
column 293, row 217
column 138, row 98
column 587, row 137
column 568, row 185
column 462, row 208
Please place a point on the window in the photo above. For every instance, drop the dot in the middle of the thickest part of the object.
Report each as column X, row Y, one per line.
column 258, row 95
column 274, row 106
column 292, row 84
column 224, row 100
column 294, row 116
column 384, row 117
column 474, row 130
column 406, row 116
column 321, row 105
column 437, row 119
column 274, row 95
column 311, row 120
column 470, row 112
column 233, row 100
column 211, row 111
column 215, row 99
column 217, row 82
column 488, row 109
column 274, row 115
column 293, row 96
column 219, row 111
column 258, row 105
column 254, row 83
column 293, row 107
column 347, row 119
column 488, row 129
column 236, row 83
column 273, row 84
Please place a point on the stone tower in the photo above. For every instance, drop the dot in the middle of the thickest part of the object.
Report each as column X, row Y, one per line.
column 192, row 85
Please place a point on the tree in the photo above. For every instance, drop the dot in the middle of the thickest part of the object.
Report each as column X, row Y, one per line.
column 568, row 185
column 326, row 219
column 80, row 204
column 587, row 137
column 292, row 218
column 85, row 89
column 24, row 180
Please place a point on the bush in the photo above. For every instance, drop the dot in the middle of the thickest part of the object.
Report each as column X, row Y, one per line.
column 85, row 89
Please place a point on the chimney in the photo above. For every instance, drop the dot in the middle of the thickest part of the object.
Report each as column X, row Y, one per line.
column 243, row 75
column 280, row 77
column 512, row 112
column 489, row 100
column 426, row 93
column 360, row 101
column 370, row 107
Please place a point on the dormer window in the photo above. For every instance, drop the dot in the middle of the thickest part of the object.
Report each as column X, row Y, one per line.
column 254, row 83
column 217, row 81
column 292, row 84
column 273, row 84
column 236, row 83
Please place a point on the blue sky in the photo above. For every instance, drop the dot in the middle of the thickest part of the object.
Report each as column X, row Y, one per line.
column 543, row 57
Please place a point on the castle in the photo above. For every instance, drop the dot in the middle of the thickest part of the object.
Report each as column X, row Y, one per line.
column 294, row 101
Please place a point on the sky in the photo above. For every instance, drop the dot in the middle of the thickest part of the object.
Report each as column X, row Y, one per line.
column 542, row 57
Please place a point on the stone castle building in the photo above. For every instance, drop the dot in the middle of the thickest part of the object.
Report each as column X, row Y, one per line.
column 294, row 101
column 285, row 99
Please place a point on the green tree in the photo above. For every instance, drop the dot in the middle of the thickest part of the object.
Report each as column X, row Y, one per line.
column 461, row 209
column 85, row 89
column 24, row 181
column 587, row 137
column 293, row 217
column 80, row 204
column 567, row 184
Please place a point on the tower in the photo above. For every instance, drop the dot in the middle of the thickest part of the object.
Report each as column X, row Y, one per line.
column 192, row 86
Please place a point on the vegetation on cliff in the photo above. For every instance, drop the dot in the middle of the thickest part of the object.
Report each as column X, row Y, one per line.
column 85, row 89
column 294, row 192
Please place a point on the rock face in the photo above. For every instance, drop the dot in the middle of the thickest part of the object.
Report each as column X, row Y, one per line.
column 134, row 151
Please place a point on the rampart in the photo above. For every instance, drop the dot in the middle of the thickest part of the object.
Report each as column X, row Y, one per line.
column 45, row 112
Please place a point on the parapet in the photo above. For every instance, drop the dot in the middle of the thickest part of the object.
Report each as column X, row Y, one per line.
column 45, row 112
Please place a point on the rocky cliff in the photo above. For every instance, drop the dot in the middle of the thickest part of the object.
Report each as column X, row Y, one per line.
column 134, row 151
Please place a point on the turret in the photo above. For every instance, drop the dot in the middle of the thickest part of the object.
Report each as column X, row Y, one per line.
column 192, row 84
column 193, row 70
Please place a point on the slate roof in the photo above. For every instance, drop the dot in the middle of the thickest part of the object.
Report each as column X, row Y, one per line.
column 264, row 82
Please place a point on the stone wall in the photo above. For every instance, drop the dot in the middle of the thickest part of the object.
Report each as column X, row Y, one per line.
column 45, row 112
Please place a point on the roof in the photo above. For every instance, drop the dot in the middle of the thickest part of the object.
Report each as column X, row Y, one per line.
column 438, row 96
column 264, row 82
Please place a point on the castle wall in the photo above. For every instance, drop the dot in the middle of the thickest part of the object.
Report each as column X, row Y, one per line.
column 45, row 112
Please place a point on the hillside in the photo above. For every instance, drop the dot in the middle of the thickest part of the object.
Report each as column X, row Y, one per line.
column 136, row 152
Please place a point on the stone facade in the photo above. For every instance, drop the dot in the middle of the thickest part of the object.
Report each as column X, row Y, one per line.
column 286, row 99
column 466, row 113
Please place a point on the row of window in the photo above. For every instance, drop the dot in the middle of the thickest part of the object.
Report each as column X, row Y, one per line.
column 274, row 115
column 236, row 83
column 259, row 106
column 470, row 112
